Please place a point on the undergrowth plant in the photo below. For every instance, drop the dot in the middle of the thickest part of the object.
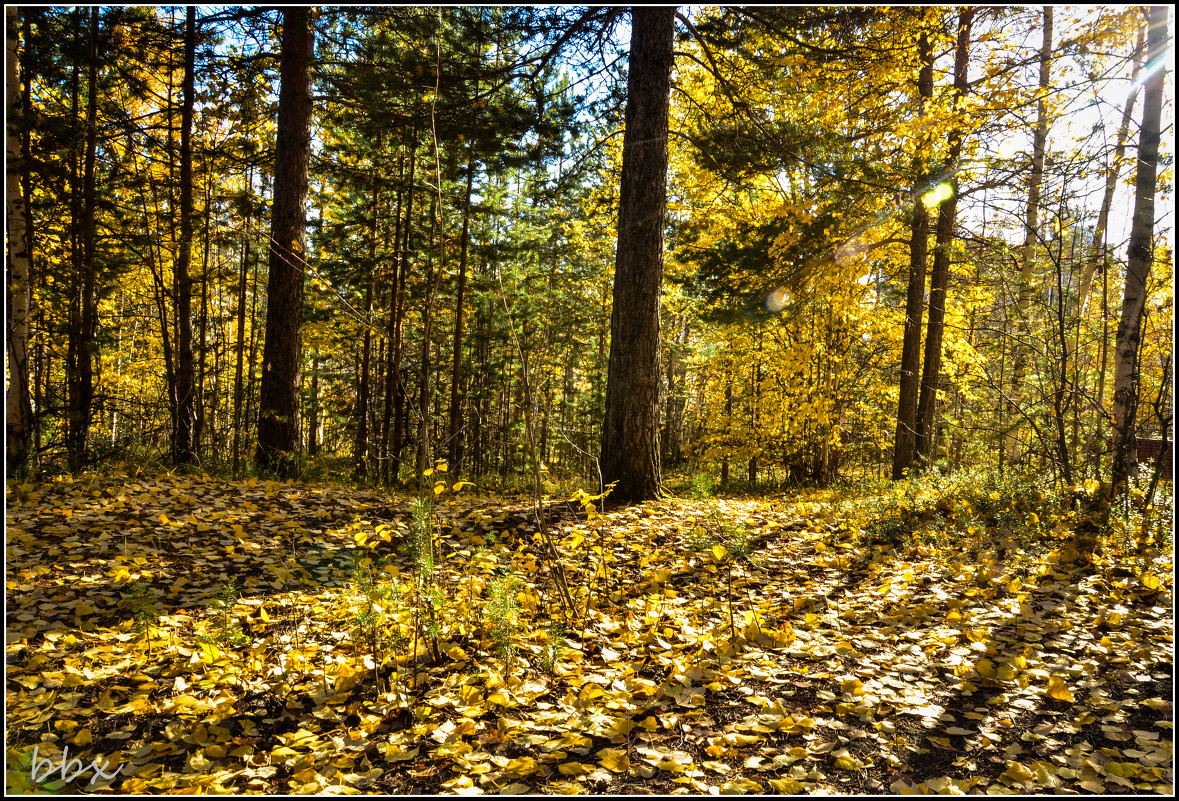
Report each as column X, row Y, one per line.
column 967, row 509
column 503, row 616
column 553, row 648
column 141, row 599
column 726, row 542
column 589, row 505
column 226, row 630
column 370, row 621
column 427, row 598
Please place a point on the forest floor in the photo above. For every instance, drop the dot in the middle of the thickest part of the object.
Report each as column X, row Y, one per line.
column 190, row 635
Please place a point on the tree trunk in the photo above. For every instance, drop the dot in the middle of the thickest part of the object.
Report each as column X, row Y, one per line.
column 1097, row 259
column 241, row 331
column 73, row 313
column 453, row 450
column 1097, row 256
column 84, row 350
column 1141, row 256
column 360, row 445
column 394, row 328
column 1060, row 395
column 433, row 278
column 252, row 359
column 183, row 450
column 400, row 417
column 905, row 444
column 630, row 434
column 313, row 411
column 940, row 279
column 18, row 408
column 40, row 364
column 724, row 477
column 1030, row 237
column 755, row 411
column 677, row 372
column 203, row 344
column 278, row 407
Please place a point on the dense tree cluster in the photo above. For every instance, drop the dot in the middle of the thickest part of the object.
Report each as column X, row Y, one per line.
column 382, row 238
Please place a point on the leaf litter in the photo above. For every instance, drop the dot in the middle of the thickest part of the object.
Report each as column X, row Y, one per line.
column 204, row 636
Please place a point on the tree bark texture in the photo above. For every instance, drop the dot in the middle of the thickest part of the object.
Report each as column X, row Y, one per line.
column 18, row 408
column 83, row 350
column 943, row 240
column 183, row 450
column 278, row 406
column 630, row 434
column 905, row 444
column 1141, row 256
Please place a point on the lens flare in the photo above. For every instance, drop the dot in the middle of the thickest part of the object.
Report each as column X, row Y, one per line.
column 938, row 195
column 777, row 300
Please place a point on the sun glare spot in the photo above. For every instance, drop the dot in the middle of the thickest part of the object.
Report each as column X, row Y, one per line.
column 938, row 195
column 777, row 300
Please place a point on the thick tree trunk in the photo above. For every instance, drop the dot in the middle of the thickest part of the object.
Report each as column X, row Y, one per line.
column 1141, row 257
column 630, row 434
column 84, row 348
column 479, row 448
column 18, row 408
column 278, row 407
column 905, row 445
column 183, row 446
column 40, row 372
column 940, row 279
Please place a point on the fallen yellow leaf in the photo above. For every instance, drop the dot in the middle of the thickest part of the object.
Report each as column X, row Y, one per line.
column 1059, row 690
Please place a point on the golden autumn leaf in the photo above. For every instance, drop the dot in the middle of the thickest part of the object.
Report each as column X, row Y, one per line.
column 1059, row 690
column 1016, row 773
column 614, row 760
